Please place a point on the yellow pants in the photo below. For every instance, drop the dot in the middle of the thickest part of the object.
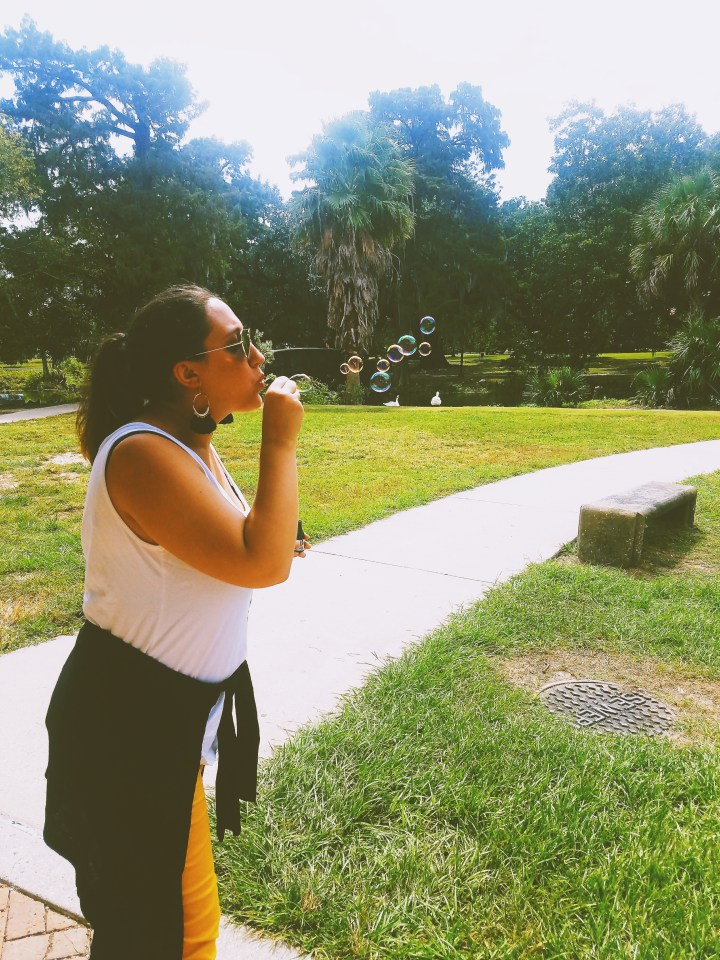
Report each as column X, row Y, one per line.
column 201, row 906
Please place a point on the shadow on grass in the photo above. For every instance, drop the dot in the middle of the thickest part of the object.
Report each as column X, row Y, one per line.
column 667, row 549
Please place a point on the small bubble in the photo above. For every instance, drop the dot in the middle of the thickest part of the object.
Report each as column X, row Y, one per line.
column 355, row 364
column 303, row 382
column 408, row 345
column 383, row 365
column 424, row 349
column 427, row 325
column 380, row 381
column 344, row 369
column 395, row 353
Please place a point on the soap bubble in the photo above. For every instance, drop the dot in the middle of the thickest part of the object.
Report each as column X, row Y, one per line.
column 408, row 345
column 427, row 326
column 355, row 364
column 383, row 365
column 380, row 381
column 395, row 353
column 344, row 369
column 424, row 349
column 303, row 382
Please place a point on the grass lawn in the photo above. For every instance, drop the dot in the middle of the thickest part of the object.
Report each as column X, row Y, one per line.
column 602, row 363
column 444, row 814
column 357, row 464
column 488, row 379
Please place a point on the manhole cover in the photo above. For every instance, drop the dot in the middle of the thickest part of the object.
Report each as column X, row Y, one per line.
column 606, row 706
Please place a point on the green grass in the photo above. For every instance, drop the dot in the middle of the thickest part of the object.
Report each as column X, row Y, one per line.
column 443, row 814
column 356, row 465
column 14, row 375
column 602, row 363
column 492, row 380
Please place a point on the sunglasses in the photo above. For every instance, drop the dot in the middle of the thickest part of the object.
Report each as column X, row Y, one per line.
column 236, row 348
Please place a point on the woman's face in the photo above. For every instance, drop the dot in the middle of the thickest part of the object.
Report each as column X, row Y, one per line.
column 231, row 381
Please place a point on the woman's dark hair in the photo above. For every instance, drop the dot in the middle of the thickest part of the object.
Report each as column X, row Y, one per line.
column 132, row 368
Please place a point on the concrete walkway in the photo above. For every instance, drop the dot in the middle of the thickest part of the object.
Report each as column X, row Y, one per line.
column 36, row 413
column 355, row 601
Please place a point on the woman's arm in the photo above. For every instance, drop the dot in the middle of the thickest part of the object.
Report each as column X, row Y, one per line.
column 164, row 496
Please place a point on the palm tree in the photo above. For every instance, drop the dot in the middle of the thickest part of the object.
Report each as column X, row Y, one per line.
column 354, row 211
column 678, row 254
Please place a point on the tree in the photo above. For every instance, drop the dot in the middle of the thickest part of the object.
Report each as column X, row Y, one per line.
column 43, row 289
column 112, row 227
column 18, row 183
column 676, row 260
column 605, row 164
column 56, row 88
column 574, row 293
column 451, row 267
column 355, row 211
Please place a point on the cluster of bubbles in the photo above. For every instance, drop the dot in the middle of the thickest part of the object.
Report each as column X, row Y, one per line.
column 354, row 365
column 406, row 346
column 381, row 380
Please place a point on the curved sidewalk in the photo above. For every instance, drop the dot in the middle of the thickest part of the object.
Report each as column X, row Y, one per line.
column 357, row 600
column 37, row 413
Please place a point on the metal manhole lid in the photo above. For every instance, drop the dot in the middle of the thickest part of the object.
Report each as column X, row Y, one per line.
column 607, row 706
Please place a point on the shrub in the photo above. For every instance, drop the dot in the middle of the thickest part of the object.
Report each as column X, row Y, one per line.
column 695, row 364
column 264, row 345
column 511, row 389
column 557, row 387
column 62, row 384
column 653, row 387
column 320, row 394
column 353, row 394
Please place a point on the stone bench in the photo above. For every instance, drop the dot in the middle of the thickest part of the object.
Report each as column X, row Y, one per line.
column 611, row 530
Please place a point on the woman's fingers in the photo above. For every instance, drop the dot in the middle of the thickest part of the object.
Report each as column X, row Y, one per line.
column 283, row 411
column 300, row 547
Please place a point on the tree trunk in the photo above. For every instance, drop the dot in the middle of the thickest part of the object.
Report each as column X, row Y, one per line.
column 462, row 333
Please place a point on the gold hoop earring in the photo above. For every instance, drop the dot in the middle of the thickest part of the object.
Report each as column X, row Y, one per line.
column 201, row 421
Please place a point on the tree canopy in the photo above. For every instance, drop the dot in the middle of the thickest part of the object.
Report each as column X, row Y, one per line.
column 112, row 225
column 105, row 198
column 18, row 183
column 352, row 215
column 574, row 293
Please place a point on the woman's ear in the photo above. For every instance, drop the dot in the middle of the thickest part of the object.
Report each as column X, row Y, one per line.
column 186, row 375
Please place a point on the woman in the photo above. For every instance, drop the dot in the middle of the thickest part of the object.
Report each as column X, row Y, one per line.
column 172, row 553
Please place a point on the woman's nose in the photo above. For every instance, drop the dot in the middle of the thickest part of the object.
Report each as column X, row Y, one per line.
column 256, row 358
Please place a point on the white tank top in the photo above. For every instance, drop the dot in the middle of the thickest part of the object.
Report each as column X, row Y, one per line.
column 187, row 620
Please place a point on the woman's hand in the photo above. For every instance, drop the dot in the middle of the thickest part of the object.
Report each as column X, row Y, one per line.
column 300, row 547
column 283, row 413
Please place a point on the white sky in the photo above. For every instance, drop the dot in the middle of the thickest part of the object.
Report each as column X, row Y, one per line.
column 273, row 70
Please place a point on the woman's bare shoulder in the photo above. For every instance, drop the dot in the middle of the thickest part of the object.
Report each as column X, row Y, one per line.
column 140, row 457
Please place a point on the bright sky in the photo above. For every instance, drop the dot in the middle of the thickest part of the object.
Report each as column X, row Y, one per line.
column 273, row 71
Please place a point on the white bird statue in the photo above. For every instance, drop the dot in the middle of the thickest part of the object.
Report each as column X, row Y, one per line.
column 436, row 401
column 393, row 403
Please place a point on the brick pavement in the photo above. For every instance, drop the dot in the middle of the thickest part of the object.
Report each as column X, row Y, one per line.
column 33, row 930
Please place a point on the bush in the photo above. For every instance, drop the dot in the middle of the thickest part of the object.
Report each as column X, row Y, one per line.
column 353, row 394
column 695, row 364
column 557, row 387
column 264, row 345
column 511, row 389
column 320, row 394
column 653, row 387
column 63, row 384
